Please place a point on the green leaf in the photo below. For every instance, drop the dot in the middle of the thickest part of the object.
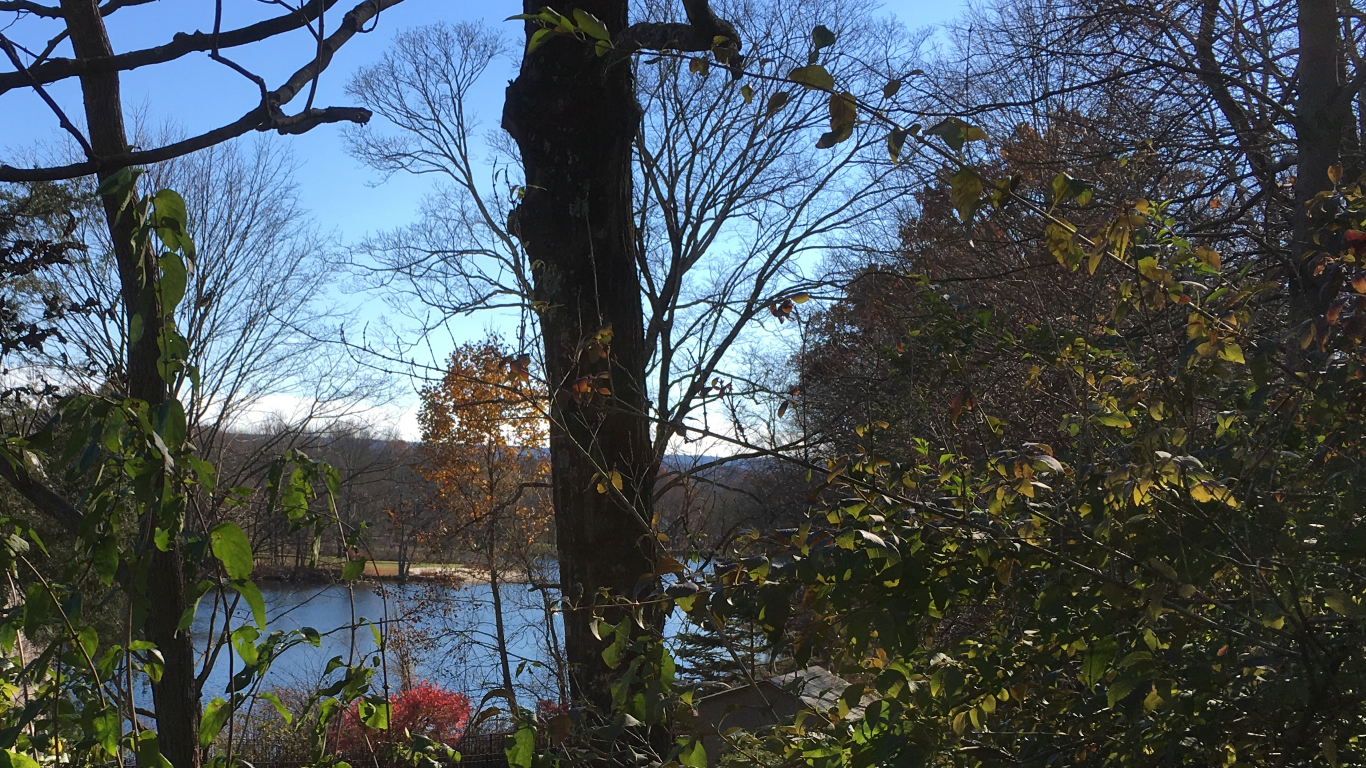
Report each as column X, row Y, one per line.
column 852, row 696
column 891, row 88
column 205, row 472
column 211, row 724
column 171, row 423
column 813, row 76
column 776, row 102
column 170, row 210
column 1097, row 661
column 105, row 557
column 895, row 141
column 20, row 760
column 89, row 639
column 279, row 706
column 1117, row 690
column 231, row 547
column 591, row 25
column 520, row 747
column 1113, row 419
column 1153, row 700
column 353, row 569
column 611, row 656
column 1065, row 188
column 192, row 597
column 244, row 640
column 378, row 714
column 1341, row 602
column 252, row 594
column 694, row 756
column 38, row 607
column 956, row 133
column 118, row 184
column 105, row 728
column 822, row 37
column 174, row 278
column 537, row 38
column 148, row 750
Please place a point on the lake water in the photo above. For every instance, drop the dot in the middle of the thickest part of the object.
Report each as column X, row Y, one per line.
column 446, row 634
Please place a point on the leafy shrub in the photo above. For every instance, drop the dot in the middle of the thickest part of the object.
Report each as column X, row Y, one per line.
column 426, row 711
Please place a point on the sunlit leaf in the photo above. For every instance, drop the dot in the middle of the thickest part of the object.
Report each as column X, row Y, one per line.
column 231, row 547
column 813, row 76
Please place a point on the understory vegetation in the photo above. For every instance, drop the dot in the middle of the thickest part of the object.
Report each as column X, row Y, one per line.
column 1011, row 374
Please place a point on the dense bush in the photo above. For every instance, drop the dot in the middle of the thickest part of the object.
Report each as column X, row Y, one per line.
column 425, row 711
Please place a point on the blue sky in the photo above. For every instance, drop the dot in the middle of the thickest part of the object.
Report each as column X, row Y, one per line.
column 197, row 94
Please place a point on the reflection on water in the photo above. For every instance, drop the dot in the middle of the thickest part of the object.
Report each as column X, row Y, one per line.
column 447, row 632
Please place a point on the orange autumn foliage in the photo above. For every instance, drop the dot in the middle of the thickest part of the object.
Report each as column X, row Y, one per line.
column 484, row 445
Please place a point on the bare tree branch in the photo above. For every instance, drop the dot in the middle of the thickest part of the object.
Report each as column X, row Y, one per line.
column 25, row 6
column 195, row 42
column 266, row 116
column 65, row 122
column 48, row 501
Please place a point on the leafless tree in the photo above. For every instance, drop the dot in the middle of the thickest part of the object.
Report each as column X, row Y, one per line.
column 258, row 312
column 732, row 204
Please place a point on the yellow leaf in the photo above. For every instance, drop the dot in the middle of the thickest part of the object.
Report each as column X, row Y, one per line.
column 1114, row 419
column 616, row 480
column 1152, row 701
column 1094, row 261
column 1149, row 268
column 667, row 565
column 1213, row 490
column 1341, row 602
column 813, row 76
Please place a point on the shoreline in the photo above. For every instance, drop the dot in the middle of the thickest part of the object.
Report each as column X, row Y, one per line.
column 456, row 575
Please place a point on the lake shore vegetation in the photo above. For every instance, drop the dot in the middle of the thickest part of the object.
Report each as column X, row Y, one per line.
column 1005, row 380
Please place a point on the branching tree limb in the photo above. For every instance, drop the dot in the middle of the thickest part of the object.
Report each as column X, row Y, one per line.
column 266, row 116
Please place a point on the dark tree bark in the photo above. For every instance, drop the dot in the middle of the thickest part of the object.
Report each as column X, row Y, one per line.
column 1322, row 115
column 574, row 117
column 176, row 696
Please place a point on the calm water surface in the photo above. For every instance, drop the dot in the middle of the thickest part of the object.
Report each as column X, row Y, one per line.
column 452, row 630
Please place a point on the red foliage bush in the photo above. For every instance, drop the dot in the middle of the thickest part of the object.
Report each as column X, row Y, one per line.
column 547, row 708
column 423, row 710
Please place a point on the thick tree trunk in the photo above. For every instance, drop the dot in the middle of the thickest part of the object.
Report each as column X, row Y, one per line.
column 574, row 117
column 176, row 697
column 1322, row 114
